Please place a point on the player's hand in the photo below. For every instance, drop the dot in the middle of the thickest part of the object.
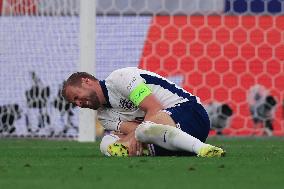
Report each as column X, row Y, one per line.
column 135, row 147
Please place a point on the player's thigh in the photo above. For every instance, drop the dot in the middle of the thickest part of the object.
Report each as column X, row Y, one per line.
column 162, row 118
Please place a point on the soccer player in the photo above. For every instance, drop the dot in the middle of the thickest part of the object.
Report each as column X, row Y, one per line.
column 146, row 107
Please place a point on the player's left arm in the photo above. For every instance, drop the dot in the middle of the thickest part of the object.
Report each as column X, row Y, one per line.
column 151, row 105
column 143, row 97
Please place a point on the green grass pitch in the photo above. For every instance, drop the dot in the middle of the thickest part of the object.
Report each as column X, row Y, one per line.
column 249, row 163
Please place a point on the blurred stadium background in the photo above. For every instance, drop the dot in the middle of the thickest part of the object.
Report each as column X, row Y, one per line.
column 228, row 52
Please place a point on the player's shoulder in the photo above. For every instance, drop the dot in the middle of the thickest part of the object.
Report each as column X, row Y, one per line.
column 131, row 74
column 123, row 73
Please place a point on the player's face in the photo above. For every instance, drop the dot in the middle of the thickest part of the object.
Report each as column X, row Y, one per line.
column 84, row 97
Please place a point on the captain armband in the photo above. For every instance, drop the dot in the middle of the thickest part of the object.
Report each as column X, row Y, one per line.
column 139, row 93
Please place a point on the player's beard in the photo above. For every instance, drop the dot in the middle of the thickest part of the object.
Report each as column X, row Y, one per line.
column 93, row 101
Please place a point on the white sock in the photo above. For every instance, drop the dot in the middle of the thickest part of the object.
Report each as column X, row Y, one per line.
column 168, row 137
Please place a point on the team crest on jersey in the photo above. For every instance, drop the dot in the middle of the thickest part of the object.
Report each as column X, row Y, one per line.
column 126, row 104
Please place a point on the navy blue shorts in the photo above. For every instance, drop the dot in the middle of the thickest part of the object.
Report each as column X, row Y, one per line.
column 191, row 118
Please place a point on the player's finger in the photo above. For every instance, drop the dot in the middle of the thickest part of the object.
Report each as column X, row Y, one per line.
column 139, row 149
column 132, row 149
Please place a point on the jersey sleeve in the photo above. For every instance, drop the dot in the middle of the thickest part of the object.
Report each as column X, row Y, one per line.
column 112, row 119
column 111, row 125
column 109, row 120
column 130, row 84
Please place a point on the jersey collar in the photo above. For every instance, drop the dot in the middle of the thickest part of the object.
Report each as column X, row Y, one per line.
column 105, row 92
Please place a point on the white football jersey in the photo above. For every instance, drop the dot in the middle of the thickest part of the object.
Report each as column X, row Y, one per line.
column 120, row 83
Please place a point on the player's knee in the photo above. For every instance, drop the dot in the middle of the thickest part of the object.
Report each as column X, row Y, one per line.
column 162, row 118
